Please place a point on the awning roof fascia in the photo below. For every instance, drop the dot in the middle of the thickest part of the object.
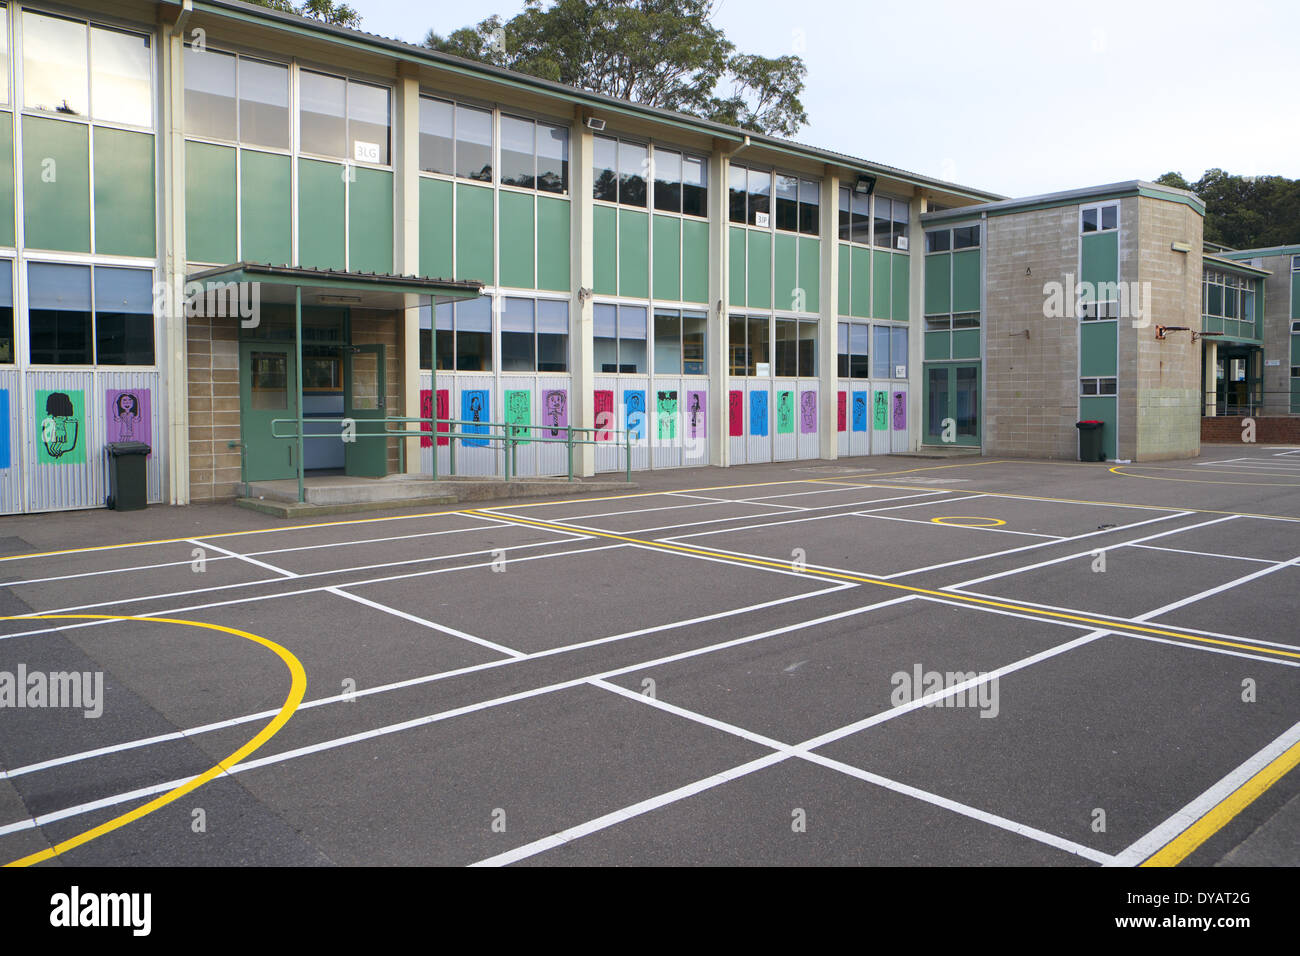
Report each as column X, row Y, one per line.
column 443, row 290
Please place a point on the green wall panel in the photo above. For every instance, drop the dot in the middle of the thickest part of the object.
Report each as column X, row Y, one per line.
column 810, row 273
column 966, row 343
column 370, row 221
column 266, row 214
column 938, row 346
column 7, row 228
column 435, row 228
column 209, row 203
column 1100, row 258
column 553, row 239
column 633, row 253
column 860, row 287
column 322, row 225
column 881, row 269
column 901, row 300
column 1103, row 408
column 736, row 266
column 966, row 281
column 518, row 232
column 759, row 285
column 844, row 293
column 668, row 258
column 938, row 283
column 1295, row 349
column 604, row 228
column 125, row 219
column 695, row 261
column 786, row 269
column 474, row 236
column 56, row 194
column 1295, row 296
column 1097, row 342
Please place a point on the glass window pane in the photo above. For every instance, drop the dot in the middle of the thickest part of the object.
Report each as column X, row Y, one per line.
column 120, row 86
column 1090, row 220
column 322, row 127
column 474, row 335
column 965, row 237
column 436, row 150
column 787, row 348
column 668, row 343
column 631, row 339
column 760, row 197
column 123, row 316
column 605, row 169
column 552, row 158
column 757, row 329
column 1110, row 217
column 473, row 143
column 937, row 241
column 263, row 104
column 4, row 57
column 738, row 181
column 426, row 338
column 605, row 338
column 845, row 224
column 880, row 351
column 517, row 335
column 58, row 314
column 54, row 65
column 860, row 219
column 668, row 180
column 446, row 342
column 739, row 354
column 884, row 222
column 518, row 152
column 902, row 214
column 898, row 352
column 694, row 325
column 694, row 187
column 809, row 207
column 369, row 121
column 787, row 203
column 633, row 160
column 807, row 349
column 842, row 350
column 6, row 311
column 552, row 336
column 209, row 94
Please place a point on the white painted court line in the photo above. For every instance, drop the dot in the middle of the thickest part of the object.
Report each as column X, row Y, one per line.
column 1146, row 845
column 415, row 681
column 965, row 527
column 1081, row 554
column 1204, row 554
column 433, row 625
column 1227, row 586
column 789, row 521
column 245, row 558
column 803, row 750
column 449, row 714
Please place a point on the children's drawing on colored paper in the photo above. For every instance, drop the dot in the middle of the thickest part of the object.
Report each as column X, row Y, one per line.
column 555, row 411
column 475, row 407
column 603, row 404
column 736, row 413
column 4, row 428
column 900, row 411
column 697, row 404
column 443, row 403
column 841, row 411
column 808, row 413
column 859, row 411
column 60, row 440
column 879, row 411
column 634, row 407
column 519, row 413
column 127, row 415
column 426, row 412
column 758, row 414
column 666, row 414
column 784, row 412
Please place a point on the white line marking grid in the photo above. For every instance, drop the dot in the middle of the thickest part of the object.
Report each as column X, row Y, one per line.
column 569, row 538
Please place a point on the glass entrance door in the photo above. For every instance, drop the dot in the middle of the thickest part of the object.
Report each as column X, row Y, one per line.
column 952, row 405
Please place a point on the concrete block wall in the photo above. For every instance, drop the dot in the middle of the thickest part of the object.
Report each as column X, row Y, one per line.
column 1277, row 334
column 385, row 328
column 212, row 358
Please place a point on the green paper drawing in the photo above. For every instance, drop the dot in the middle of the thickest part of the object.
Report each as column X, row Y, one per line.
column 784, row 412
column 666, row 405
column 519, row 411
column 60, row 427
column 880, row 411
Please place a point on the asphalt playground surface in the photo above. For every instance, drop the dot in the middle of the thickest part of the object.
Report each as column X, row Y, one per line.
column 728, row 666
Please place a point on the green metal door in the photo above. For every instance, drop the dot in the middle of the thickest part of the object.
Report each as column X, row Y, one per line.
column 268, row 389
column 952, row 405
column 364, row 388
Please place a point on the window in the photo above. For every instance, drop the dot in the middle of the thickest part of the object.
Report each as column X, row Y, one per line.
column 891, row 222
column 605, row 175
column 1100, row 218
column 4, row 54
column 473, row 143
column 938, row 241
column 120, row 88
column 796, row 348
column 6, row 313
column 902, row 217
column 552, row 335
column 619, row 338
column 854, row 338
column 263, row 103
column 809, row 207
column 965, row 237
column 464, row 341
column 737, row 194
column 1098, row 386
column 668, row 181
column 679, row 342
column 210, row 100
column 534, row 335
column 760, row 197
column 368, row 123
column 437, row 136
column 322, row 114
column 534, row 155
column 807, row 349
column 633, row 160
column 751, row 197
column 69, row 326
column 695, row 183
column 889, row 346
column 787, row 203
column 55, row 67
column 855, row 210
column 1295, row 263
column 749, row 345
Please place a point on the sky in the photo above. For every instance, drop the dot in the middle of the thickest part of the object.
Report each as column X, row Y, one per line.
column 1017, row 98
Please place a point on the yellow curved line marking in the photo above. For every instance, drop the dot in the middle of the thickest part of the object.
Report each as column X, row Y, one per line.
column 297, row 688
column 1118, row 470
column 1183, row 845
column 963, row 521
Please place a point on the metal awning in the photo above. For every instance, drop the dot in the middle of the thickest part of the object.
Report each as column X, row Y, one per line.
column 363, row 290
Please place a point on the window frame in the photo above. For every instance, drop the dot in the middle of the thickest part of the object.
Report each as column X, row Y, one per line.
column 93, row 331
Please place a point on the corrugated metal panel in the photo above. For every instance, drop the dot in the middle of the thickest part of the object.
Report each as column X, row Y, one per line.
column 695, row 451
column 784, row 444
column 739, row 443
column 898, row 440
column 553, row 459
column 137, row 382
column 12, row 489
column 758, row 448
column 67, row 470
column 810, row 444
column 667, row 451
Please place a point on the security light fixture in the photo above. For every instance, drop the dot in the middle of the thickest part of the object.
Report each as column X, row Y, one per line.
column 1178, row 246
column 1162, row 329
column 595, row 123
column 865, row 185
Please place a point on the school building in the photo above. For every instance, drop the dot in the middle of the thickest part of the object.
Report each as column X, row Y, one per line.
column 378, row 232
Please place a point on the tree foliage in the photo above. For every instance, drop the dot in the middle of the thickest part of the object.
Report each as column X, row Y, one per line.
column 327, row 11
column 662, row 53
column 1245, row 212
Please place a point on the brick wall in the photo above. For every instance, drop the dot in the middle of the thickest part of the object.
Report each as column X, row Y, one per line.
column 1227, row 429
column 212, row 350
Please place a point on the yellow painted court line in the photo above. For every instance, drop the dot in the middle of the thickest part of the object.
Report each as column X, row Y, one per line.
column 297, row 688
column 1120, row 626
column 1118, row 470
column 1183, row 845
